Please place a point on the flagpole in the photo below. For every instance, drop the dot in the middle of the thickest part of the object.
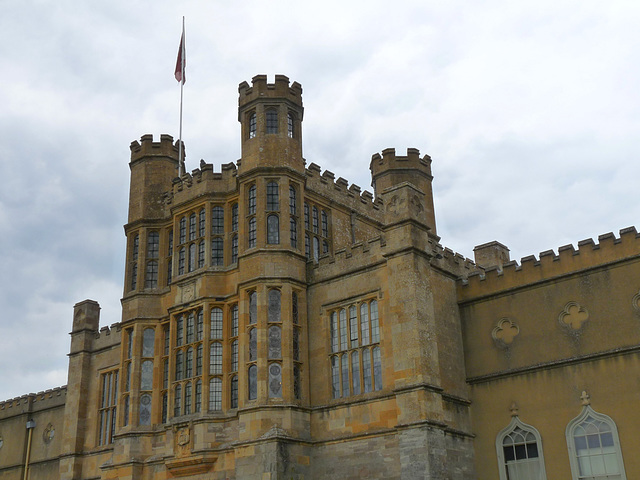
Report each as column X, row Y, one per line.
column 181, row 166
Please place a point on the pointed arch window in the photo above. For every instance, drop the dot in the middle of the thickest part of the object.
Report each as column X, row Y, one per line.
column 519, row 450
column 594, row 447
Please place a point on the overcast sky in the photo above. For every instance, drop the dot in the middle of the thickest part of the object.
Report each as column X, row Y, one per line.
column 529, row 109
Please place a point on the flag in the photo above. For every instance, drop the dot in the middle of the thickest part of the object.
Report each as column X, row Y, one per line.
column 181, row 63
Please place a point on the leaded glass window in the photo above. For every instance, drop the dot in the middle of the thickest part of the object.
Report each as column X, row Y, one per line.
column 293, row 232
column 215, row 394
column 253, row 344
column 182, row 230
column 234, row 249
column 251, row 204
column 297, row 382
column 355, row 372
column 192, row 226
column 234, row 321
column 234, row 356
column 146, row 375
column 151, row 276
column 187, row 399
column 201, row 254
column 177, row 401
column 519, row 451
column 148, row 337
column 199, row 360
column 217, row 221
column 253, row 307
column 234, row 391
column 252, row 233
column 145, row 409
column 275, row 380
column 153, row 245
column 253, row 382
column 290, row 128
column 202, row 219
column 292, row 200
column 215, row 364
column 275, row 342
column 273, row 229
column 274, row 305
column 216, row 323
column 198, row 397
column 273, row 202
column 234, row 217
column 272, row 120
column 192, row 257
column 252, row 125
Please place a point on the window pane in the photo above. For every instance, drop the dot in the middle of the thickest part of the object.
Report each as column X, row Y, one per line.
column 366, row 370
column 252, row 200
column 335, row 377
column 353, row 326
column 217, row 221
column 253, row 307
column 146, row 375
column 364, row 323
column 275, row 380
column 377, row 369
column 252, row 233
column 234, row 356
column 215, row 363
column 153, row 243
column 275, row 342
column 234, row 391
column 343, row 329
column 274, row 305
column 215, row 395
column 273, row 230
column 272, row 121
column 234, row 217
column 345, row 375
column 375, row 327
column 253, row 344
column 355, row 373
column 216, row 323
column 234, row 321
column 253, row 382
column 147, row 342
column 273, row 197
column 145, row 409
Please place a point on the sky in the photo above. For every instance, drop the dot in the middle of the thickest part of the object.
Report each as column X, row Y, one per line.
column 530, row 111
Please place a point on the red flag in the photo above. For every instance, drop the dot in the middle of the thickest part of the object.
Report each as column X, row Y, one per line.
column 181, row 63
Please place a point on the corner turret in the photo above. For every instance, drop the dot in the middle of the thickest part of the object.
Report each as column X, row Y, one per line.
column 153, row 166
column 390, row 171
column 271, row 119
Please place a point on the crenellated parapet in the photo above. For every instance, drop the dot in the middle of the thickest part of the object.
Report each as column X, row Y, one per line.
column 452, row 262
column 37, row 401
column 362, row 255
column 203, row 181
column 146, row 147
column 339, row 191
column 260, row 88
column 107, row 337
column 550, row 266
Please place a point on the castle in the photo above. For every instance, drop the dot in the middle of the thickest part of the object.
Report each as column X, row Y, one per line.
column 279, row 323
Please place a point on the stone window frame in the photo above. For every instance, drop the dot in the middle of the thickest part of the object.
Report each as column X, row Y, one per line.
column 570, row 434
column 252, row 127
column 514, row 425
column 317, row 222
column 107, row 409
column 186, row 357
column 342, row 347
column 271, row 120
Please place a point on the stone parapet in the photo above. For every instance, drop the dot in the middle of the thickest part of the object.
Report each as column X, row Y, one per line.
column 549, row 265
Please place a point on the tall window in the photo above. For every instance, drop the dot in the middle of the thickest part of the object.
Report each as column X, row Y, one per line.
column 251, row 204
column 253, row 382
column 107, row 411
column 234, row 249
column 146, row 376
column 234, row 217
column 169, row 256
column 273, row 229
column 135, row 245
column 217, row 232
column 217, row 251
column 290, row 125
column 519, row 450
column 252, row 125
column 594, row 447
column 252, row 233
column 293, row 232
column 273, row 202
column 151, row 275
column 292, row 200
column 215, row 394
column 317, row 235
column 355, row 359
column 272, row 121
column 188, row 354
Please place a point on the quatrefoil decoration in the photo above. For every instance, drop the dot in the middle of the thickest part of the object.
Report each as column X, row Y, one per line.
column 636, row 302
column 573, row 316
column 505, row 331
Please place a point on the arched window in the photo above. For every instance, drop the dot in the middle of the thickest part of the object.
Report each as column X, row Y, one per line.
column 187, row 399
column 179, row 364
column 199, row 326
column 192, row 257
column 273, row 229
column 215, row 394
column 182, row 230
column 290, row 125
column 594, row 447
column 216, row 323
column 272, row 120
column 252, row 125
column 202, row 218
column 188, row 370
column 253, row 344
column 198, row 399
column 355, row 372
column 190, row 327
column 199, row 360
column 253, row 382
column 519, row 450
column 148, row 337
column 335, row 376
column 146, row 375
column 192, row 226
column 273, row 198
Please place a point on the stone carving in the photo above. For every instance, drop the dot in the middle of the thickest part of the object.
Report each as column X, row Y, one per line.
column 183, row 441
column 416, row 205
column 573, row 316
column 504, row 332
column 188, row 292
column 395, row 204
column 49, row 433
column 636, row 302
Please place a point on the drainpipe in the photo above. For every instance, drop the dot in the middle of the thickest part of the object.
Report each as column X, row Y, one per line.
column 30, row 426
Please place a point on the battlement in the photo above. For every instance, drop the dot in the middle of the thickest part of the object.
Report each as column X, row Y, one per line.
column 352, row 196
column 390, row 161
column 352, row 258
column 203, row 181
column 41, row 400
column 446, row 259
column 261, row 89
column 550, row 266
column 148, row 148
